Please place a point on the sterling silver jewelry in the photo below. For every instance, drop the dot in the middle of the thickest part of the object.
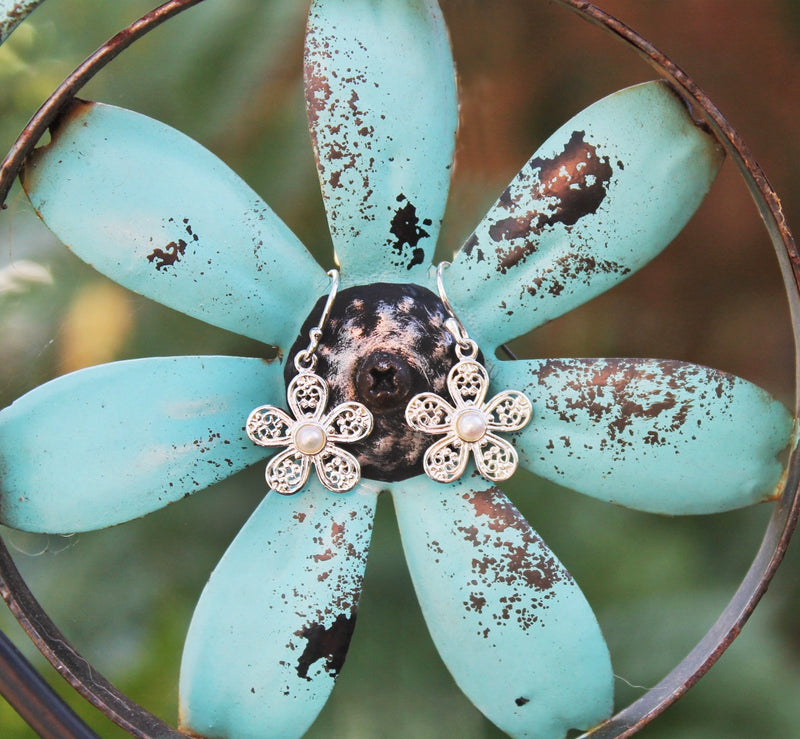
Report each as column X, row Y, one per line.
column 472, row 424
column 312, row 436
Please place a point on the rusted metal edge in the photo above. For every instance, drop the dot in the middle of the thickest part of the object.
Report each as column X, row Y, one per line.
column 69, row 663
column 773, row 546
column 66, row 91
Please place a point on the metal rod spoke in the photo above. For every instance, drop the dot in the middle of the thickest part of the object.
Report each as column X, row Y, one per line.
column 35, row 700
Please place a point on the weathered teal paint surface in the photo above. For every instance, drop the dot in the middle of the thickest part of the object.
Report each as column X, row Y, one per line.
column 601, row 197
column 114, row 442
column 382, row 111
column 509, row 621
column 161, row 215
column 12, row 13
column 273, row 624
column 656, row 435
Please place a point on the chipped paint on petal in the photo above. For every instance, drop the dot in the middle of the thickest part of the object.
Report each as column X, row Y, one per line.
column 271, row 631
column 132, row 437
column 604, row 195
column 12, row 13
column 161, row 215
column 507, row 618
column 657, row 435
column 382, row 112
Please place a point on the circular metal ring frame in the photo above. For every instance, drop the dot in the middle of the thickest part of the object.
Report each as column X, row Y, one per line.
column 139, row 722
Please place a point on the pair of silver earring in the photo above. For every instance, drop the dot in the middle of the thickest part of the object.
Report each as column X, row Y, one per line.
column 467, row 425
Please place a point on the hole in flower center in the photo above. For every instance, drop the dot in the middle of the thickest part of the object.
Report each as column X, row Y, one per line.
column 471, row 425
column 383, row 381
column 310, row 438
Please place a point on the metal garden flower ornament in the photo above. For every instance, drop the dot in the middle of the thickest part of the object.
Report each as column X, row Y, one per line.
column 371, row 367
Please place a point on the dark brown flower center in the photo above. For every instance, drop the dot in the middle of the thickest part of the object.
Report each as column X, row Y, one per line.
column 383, row 344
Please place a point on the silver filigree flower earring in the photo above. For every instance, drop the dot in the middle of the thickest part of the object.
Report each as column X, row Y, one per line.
column 312, row 435
column 471, row 425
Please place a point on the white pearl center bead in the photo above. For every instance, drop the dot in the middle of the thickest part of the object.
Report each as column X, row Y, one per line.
column 309, row 438
column 471, row 425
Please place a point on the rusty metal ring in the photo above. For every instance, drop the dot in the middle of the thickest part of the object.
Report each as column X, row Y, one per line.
column 139, row 722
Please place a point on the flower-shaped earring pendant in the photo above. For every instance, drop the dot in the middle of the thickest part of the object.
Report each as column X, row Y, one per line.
column 312, row 435
column 472, row 424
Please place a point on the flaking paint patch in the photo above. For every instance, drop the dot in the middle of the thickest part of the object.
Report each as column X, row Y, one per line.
column 363, row 159
column 168, row 256
column 325, row 626
column 405, row 227
column 326, row 643
column 566, row 188
column 630, row 402
column 513, row 576
column 342, row 135
column 15, row 15
column 172, row 252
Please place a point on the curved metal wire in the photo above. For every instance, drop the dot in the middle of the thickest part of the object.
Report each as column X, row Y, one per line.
column 140, row 723
column 784, row 519
column 69, row 663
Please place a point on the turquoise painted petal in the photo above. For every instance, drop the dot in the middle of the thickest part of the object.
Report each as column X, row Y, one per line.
column 274, row 622
column 114, row 442
column 656, row 435
column 12, row 13
column 603, row 196
column 382, row 111
column 161, row 215
column 508, row 620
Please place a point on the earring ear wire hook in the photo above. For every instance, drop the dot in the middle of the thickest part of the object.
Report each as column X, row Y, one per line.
column 466, row 348
column 306, row 360
column 469, row 424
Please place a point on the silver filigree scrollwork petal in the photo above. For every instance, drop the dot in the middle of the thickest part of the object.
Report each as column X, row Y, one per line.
column 312, row 435
column 338, row 470
column 509, row 411
column 307, row 395
column 467, row 383
column 348, row 422
column 495, row 458
column 268, row 426
column 429, row 413
column 288, row 471
column 446, row 460
column 472, row 424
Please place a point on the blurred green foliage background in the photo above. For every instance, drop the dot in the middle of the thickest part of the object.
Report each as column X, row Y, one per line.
column 229, row 74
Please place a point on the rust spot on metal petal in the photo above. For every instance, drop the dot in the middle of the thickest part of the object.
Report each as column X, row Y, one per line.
column 568, row 187
column 328, row 643
column 405, row 227
column 655, row 398
column 513, row 563
column 171, row 254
